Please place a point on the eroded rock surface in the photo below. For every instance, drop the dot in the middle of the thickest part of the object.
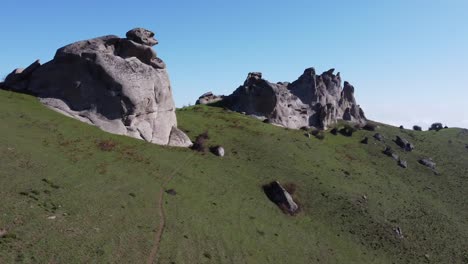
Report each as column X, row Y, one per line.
column 116, row 84
column 312, row 100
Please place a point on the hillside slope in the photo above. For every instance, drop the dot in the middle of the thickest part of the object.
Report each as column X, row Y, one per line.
column 71, row 193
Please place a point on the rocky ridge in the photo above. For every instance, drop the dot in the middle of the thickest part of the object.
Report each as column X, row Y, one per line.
column 316, row 100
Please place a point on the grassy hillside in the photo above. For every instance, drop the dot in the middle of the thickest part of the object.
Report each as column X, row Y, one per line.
column 71, row 193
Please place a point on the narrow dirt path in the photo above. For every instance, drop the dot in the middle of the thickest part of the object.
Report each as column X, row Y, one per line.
column 162, row 213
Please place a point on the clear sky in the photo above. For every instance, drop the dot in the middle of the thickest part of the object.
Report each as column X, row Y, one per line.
column 408, row 60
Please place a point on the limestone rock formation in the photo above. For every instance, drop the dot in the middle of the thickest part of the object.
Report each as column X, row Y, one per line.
column 116, row 84
column 312, row 100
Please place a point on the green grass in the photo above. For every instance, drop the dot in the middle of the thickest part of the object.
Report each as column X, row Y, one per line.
column 105, row 199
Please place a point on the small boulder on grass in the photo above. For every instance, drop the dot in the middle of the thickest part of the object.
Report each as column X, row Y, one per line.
column 217, row 150
column 402, row 163
column 365, row 140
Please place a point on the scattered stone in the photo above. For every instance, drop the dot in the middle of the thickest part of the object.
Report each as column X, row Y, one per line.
column 401, row 127
column 209, row 98
column 278, row 195
column 52, row 217
column 117, row 84
column 171, row 192
column 218, row 151
column 428, row 163
column 427, row 256
column 334, row 131
column 404, row 144
column 307, row 135
column 312, row 100
column 403, row 163
column 417, row 128
column 398, row 232
column 365, row 140
column 378, row 137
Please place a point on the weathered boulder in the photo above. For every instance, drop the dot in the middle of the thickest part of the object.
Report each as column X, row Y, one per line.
column 116, row 84
column 404, row 144
column 209, row 98
column 312, row 100
column 365, row 140
column 278, row 195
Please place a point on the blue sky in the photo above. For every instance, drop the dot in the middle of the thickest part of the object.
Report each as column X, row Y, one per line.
column 408, row 60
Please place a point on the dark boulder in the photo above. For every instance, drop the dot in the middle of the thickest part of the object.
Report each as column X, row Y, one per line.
column 365, row 140
column 404, row 144
column 278, row 195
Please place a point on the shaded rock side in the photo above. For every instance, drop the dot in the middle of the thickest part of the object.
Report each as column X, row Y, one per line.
column 116, row 84
column 311, row 100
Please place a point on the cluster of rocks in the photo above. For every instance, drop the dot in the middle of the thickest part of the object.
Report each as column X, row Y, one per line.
column 313, row 100
column 117, row 84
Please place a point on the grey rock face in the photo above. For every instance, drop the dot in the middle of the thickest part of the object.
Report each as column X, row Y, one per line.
column 116, row 84
column 312, row 100
column 277, row 194
column 209, row 98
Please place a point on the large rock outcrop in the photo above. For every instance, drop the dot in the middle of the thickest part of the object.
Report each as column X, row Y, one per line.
column 312, row 100
column 116, row 84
